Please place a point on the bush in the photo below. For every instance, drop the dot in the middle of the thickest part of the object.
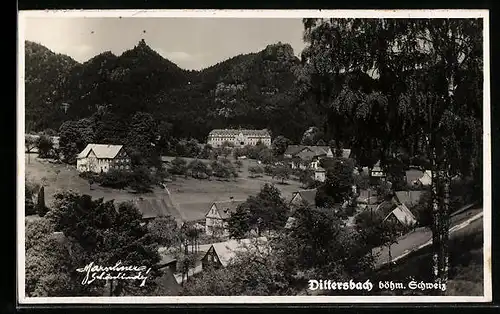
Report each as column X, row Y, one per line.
column 179, row 166
column 238, row 164
column 199, row 169
column 141, row 179
column 224, row 170
column 255, row 171
column 45, row 146
column 269, row 170
column 114, row 178
column 306, row 178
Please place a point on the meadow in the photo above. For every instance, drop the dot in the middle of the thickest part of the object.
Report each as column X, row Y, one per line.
column 183, row 192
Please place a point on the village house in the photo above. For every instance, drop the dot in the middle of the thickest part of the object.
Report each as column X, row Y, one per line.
column 304, row 157
column 222, row 253
column 426, row 178
column 300, row 198
column 397, row 208
column 153, row 207
column 320, row 174
column 402, row 215
column 408, row 198
column 377, row 171
column 239, row 137
column 102, row 157
column 217, row 216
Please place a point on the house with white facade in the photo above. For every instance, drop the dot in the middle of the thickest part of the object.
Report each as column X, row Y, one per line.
column 239, row 137
column 426, row 178
column 216, row 218
column 102, row 157
column 320, row 174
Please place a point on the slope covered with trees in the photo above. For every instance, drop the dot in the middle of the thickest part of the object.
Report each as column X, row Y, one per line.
column 256, row 90
column 45, row 74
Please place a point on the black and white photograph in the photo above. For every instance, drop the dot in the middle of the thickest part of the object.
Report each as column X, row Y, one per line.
column 219, row 156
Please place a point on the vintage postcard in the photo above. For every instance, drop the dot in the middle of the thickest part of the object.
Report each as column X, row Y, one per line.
column 212, row 157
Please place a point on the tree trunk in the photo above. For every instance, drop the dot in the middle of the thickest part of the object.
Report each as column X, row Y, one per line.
column 111, row 288
column 445, row 221
column 436, row 217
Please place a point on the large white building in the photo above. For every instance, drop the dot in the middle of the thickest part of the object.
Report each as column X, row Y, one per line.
column 102, row 157
column 239, row 138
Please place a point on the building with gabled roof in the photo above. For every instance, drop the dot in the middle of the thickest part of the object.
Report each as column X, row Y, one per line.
column 408, row 198
column 102, row 157
column 153, row 207
column 221, row 254
column 320, row 174
column 217, row 216
column 303, row 157
column 300, row 198
column 426, row 178
column 304, row 197
column 239, row 137
column 403, row 215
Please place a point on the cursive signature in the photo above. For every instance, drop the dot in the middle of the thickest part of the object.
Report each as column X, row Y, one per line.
column 118, row 271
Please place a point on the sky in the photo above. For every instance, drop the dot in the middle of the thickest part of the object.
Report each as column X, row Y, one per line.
column 191, row 43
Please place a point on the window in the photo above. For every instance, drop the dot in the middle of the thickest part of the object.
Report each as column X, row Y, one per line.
column 126, row 167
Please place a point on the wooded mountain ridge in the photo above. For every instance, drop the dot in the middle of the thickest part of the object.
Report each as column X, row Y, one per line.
column 255, row 90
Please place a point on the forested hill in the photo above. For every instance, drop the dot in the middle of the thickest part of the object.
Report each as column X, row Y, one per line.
column 256, row 90
column 45, row 74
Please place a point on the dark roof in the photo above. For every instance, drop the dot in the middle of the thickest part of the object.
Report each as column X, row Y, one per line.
column 227, row 207
column 156, row 207
column 408, row 198
column 307, row 151
column 309, row 196
column 293, row 149
column 194, row 211
column 235, row 132
column 413, row 175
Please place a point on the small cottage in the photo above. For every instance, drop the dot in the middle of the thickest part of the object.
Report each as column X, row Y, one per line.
column 217, row 215
column 222, row 253
column 320, row 174
column 303, row 197
column 426, row 178
column 402, row 215
column 102, row 157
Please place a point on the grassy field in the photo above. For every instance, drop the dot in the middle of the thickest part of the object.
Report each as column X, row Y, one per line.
column 58, row 177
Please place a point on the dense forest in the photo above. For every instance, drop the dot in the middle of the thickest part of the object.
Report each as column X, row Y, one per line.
column 256, row 90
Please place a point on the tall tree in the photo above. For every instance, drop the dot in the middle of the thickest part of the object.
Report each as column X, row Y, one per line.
column 41, row 209
column 279, row 145
column 74, row 137
column 51, row 260
column 142, row 138
column 45, row 146
column 400, row 82
column 107, row 234
column 264, row 212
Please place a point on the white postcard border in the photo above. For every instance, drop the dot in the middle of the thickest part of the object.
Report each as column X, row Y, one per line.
column 23, row 15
